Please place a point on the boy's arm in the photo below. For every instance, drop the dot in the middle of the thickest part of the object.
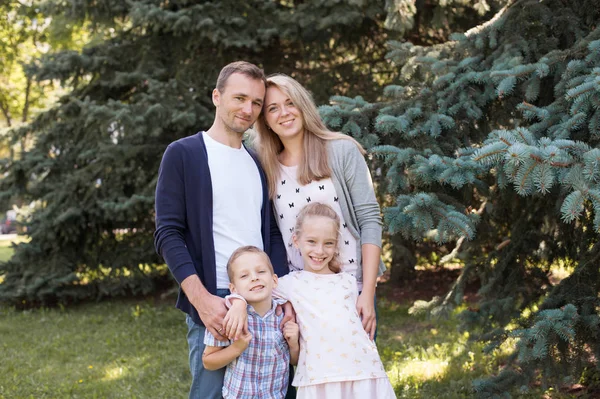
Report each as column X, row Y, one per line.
column 216, row 357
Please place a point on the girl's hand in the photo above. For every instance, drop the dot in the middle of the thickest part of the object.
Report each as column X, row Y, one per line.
column 288, row 313
column 291, row 333
column 235, row 322
column 365, row 306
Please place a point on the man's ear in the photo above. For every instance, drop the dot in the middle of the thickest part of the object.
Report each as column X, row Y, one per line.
column 216, row 97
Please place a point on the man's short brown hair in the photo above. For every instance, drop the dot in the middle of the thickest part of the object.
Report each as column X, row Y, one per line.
column 244, row 250
column 245, row 68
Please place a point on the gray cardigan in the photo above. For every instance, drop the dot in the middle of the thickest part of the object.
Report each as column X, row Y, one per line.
column 352, row 181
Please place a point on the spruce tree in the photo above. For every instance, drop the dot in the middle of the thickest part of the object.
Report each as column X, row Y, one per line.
column 144, row 81
column 490, row 142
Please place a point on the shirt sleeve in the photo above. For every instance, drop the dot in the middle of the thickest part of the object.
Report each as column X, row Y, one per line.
column 283, row 289
column 171, row 215
column 358, row 178
column 210, row 340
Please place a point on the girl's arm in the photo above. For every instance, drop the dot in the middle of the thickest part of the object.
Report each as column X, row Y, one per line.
column 291, row 332
column 216, row 357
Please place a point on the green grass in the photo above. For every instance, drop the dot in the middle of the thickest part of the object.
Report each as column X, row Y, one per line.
column 117, row 349
column 6, row 250
column 137, row 349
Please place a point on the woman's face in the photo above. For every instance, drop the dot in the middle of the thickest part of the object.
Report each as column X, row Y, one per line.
column 281, row 115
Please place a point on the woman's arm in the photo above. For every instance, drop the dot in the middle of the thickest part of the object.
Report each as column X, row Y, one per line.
column 365, row 305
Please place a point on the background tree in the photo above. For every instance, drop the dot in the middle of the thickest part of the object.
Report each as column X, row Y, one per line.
column 498, row 131
column 144, row 81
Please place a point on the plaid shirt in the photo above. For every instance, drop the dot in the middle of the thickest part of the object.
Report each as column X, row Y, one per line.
column 262, row 370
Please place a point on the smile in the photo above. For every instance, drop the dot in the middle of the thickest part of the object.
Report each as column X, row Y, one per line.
column 287, row 123
column 257, row 288
column 318, row 260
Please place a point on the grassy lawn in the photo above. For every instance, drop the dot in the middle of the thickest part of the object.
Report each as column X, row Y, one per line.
column 137, row 349
column 6, row 250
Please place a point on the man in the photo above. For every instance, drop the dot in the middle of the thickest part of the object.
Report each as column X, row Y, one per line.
column 211, row 198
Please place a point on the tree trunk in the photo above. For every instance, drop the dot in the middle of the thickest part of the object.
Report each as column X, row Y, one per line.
column 403, row 259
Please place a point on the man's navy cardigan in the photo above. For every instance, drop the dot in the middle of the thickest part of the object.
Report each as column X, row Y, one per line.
column 184, row 218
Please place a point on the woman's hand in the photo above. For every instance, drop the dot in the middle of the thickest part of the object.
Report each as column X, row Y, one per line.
column 235, row 323
column 365, row 306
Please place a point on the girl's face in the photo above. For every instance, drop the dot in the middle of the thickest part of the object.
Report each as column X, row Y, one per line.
column 317, row 243
column 281, row 115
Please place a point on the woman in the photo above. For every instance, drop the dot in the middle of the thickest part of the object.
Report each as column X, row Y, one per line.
column 305, row 162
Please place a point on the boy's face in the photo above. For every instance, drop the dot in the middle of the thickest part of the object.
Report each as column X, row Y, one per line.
column 252, row 277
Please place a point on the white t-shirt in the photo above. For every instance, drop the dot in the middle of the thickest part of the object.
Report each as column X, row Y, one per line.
column 289, row 200
column 237, row 202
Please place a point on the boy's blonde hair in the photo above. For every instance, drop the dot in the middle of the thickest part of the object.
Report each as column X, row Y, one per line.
column 322, row 210
column 245, row 250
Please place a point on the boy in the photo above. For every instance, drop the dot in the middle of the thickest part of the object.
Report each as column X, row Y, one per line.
column 258, row 363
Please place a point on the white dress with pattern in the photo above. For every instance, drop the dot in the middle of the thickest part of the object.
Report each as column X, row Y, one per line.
column 335, row 351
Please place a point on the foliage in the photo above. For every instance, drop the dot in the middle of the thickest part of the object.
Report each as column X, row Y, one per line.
column 143, row 81
column 501, row 122
column 94, row 164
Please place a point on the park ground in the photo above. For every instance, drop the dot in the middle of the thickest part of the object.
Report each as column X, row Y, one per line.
column 136, row 348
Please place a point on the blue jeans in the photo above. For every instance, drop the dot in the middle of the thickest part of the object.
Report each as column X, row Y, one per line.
column 208, row 384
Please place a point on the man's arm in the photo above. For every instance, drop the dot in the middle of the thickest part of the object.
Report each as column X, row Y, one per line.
column 170, row 242
column 216, row 357
column 211, row 308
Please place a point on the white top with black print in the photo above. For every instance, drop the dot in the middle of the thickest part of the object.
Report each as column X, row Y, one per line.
column 289, row 200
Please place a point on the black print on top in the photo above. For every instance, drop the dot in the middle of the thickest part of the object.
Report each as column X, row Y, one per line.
column 282, row 182
column 351, row 260
column 346, row 242
column 278, row 196
column 345, row 225
column 307, row 199
column 290, row 245
column 291, row 229
column 335, row 199
column 322, row 187
column 281, row 216
column 297, row 190
column 291, row 205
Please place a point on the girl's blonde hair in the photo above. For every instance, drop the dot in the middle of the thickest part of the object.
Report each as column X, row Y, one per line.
column 314, row 164
column 322, row 210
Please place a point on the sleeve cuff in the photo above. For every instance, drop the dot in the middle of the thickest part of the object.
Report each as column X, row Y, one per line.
column 228, row 298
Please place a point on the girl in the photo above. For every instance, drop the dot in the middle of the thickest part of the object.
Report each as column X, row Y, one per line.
column 305, row 162
column 337, row 359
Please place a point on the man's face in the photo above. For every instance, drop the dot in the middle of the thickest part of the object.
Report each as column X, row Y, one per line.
column 240, row 102
column 252, row 278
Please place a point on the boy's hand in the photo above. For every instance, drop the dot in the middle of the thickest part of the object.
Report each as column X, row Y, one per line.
column 242, row 343
column 291, row 333
column 235, row 322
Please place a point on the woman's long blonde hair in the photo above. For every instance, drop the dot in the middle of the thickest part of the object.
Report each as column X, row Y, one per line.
column 311, row 168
